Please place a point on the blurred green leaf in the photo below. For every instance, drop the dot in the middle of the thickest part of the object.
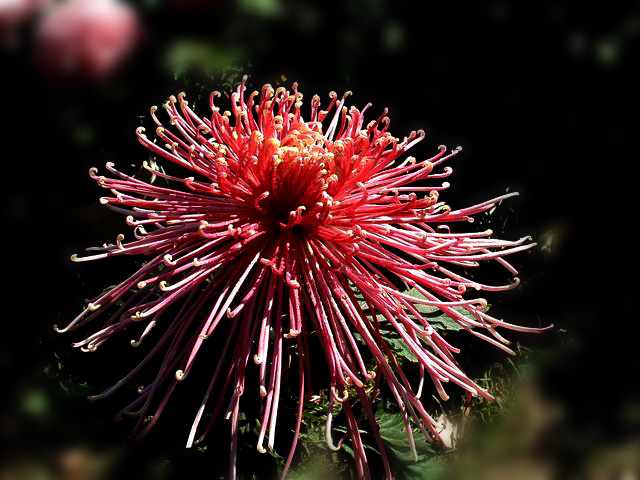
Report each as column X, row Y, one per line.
column 203, row 65
column 36, row 403
column 262, row 8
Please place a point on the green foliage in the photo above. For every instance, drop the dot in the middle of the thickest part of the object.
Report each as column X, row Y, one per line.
column 397, row 344
column 500, row 379
column 262, row 8
column 82, row 389
column 436, row 318
column 202, row 66
column 317, row 460
column 396, row 442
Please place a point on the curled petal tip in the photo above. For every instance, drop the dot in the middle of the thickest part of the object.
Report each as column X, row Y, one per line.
column 293, row 283
column 292, row 334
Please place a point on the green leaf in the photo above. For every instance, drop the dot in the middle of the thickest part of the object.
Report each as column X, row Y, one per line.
column 397, row 344
column 441, row 321
column 436, row 317
column 396, row 442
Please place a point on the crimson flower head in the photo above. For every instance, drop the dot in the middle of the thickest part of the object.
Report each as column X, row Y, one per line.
column 283, row 230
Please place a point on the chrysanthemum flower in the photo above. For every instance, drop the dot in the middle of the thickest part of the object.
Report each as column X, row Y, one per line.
column 286, row 229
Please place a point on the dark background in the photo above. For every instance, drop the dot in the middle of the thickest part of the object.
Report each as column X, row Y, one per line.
column 541, row 96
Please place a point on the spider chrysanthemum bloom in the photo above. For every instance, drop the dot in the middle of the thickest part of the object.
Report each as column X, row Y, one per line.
column 283, row 228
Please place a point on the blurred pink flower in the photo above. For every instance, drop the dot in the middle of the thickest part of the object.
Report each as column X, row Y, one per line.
column 13, row 14
column 87, row 39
